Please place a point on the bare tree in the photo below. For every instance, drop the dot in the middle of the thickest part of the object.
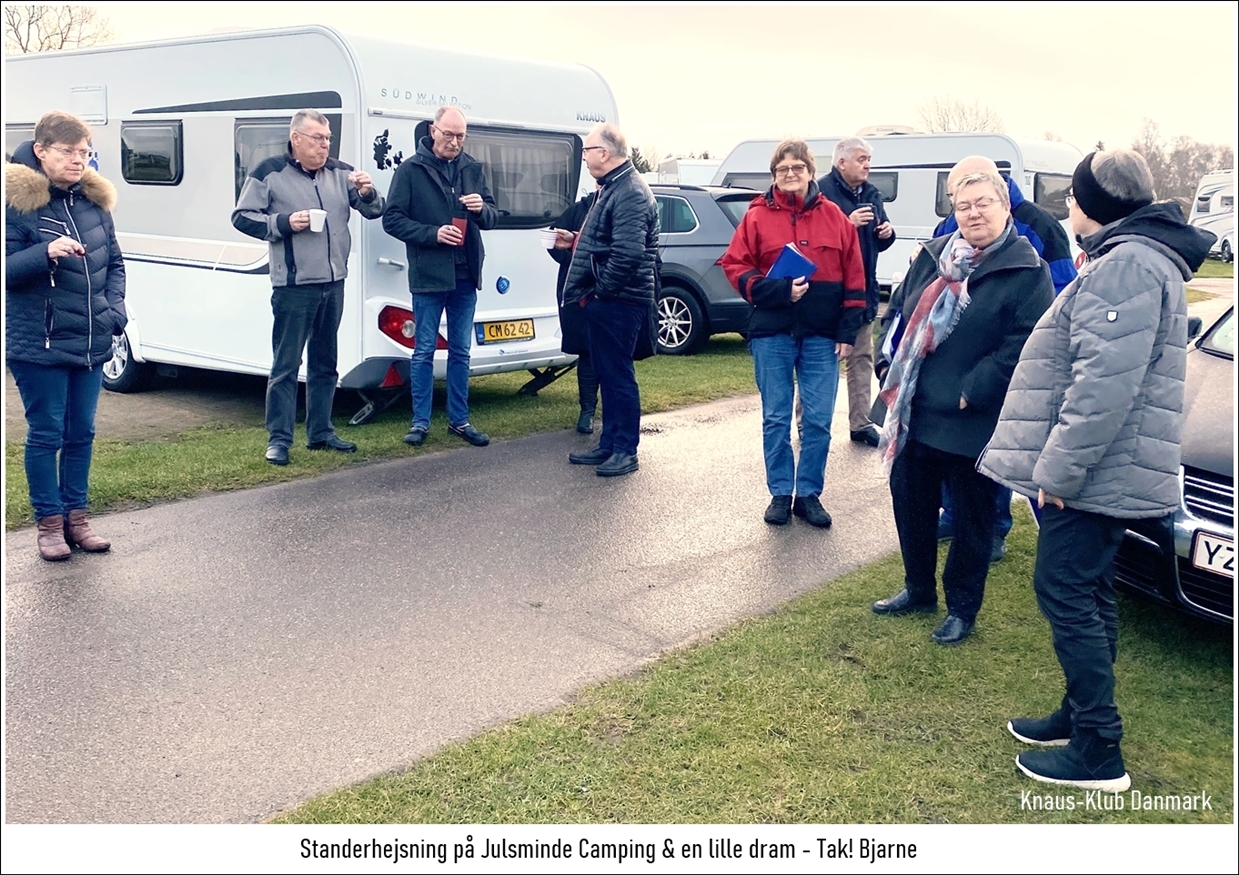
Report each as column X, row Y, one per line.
column 1052, row 137
column 38, row 28
column 1177, row 167
column 943, row 114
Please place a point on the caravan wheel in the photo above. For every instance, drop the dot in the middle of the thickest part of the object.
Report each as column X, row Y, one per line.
column 121, row 373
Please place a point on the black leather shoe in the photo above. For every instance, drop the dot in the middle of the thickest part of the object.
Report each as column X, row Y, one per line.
column 470, row 434
column 952, row 631
column 596, row 456
column 868, row 436
column 809, row 508
column 619, row 463
column 779, row 511
column 416, row 436
column 277, row 455
column 333, row 443
column 901, row 603
column 585, row 422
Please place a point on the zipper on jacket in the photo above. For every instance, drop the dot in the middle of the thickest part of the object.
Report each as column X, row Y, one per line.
column 49, row 322
column 331, row 270
column 90, row 310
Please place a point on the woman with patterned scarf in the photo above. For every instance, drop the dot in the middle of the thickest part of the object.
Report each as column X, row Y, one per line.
column 969, row 302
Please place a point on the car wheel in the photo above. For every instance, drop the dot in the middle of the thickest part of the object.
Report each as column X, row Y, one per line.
column 1227, row 255
column 681, row 325
column 121, row 373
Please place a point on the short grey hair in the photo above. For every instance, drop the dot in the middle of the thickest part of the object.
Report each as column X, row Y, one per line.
column 1124, row 175
column 304, row 115
column 992, row 177
column 612, row 139
column 848, row 145
column 444, row 110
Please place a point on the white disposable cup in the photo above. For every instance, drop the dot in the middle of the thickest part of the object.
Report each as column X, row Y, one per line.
column 317, row 219
column 548, row 237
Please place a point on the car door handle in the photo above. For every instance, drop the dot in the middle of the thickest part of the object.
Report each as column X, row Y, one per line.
column 398, row 265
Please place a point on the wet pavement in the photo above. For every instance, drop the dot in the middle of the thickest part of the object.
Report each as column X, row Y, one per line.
column 236, row 654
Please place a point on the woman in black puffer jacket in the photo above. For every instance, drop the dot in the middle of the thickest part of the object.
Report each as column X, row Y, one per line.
column 64, row 300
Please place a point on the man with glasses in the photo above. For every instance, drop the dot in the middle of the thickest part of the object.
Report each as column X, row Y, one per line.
column 439, row 206
column 299, row 203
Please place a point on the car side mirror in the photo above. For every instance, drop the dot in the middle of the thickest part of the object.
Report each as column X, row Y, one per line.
column 1194, row 326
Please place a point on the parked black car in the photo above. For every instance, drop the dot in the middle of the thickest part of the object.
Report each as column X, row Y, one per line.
column 696, row 225
column 1189, row 563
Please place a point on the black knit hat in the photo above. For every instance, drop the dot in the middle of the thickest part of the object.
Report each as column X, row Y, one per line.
column 1098, row 204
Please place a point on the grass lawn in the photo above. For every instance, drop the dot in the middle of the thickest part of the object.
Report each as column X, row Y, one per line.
column 127, row 474
column 826, row 713
column 1214, row 269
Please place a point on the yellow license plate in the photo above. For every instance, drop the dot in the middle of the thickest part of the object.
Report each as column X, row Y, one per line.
column 504, row 332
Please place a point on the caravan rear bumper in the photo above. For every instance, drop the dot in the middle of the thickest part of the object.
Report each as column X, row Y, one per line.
column 389, row 371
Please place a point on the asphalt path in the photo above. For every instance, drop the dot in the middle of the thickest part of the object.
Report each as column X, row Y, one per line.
column 236, row 654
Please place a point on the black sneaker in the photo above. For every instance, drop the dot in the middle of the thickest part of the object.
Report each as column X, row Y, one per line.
column 809, row 508
column 779, row 511
column 416, row 436
column 470, row 434
column 867, row 435
column 1052, row 731
column 1089, row 762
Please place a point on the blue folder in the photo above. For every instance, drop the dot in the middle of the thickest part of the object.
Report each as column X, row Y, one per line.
column 791, row 264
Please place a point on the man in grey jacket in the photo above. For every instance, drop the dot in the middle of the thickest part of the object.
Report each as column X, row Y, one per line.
column 299, row 203
column 1090, row 428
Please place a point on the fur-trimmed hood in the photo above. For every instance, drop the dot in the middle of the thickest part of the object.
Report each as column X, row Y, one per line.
column 27, row 190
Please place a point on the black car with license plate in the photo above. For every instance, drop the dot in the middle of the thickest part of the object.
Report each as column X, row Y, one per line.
column 1189, row 561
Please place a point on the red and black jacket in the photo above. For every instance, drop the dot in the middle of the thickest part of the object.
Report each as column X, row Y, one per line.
column 835, row 303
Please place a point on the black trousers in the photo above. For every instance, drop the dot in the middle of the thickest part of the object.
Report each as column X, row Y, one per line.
column 917, row 477
column 613, row 327
column 1074, row 582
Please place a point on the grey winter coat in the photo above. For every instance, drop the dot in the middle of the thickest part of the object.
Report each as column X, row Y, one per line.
column 1095, row 407
column 279, row 187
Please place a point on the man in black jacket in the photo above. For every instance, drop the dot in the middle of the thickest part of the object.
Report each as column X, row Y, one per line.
column 439, row 206
column 612, row 276
column 848, row 186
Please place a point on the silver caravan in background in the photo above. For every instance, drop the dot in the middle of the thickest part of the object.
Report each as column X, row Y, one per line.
column 1213, row 209
column 911, row 170
column 179, row 124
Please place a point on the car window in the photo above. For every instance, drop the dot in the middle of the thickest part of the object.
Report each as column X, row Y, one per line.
column 735, row 206
column 1050, row 193
column 1221, row 338
column 675, row 216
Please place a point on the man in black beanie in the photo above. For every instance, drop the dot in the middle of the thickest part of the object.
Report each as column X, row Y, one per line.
column 1090, row 428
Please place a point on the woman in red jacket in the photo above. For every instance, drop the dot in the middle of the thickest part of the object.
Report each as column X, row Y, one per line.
column 800, row 327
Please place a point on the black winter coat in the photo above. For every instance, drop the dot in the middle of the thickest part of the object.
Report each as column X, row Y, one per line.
column 572, row 317
column 421, row 202
column 1009, row 290
column 62, row 313
column 838, row 192
column 616, row 255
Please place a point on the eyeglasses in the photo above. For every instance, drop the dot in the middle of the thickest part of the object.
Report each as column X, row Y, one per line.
column 1070, row 200
column 319, row 139
column 590, row 148
column 84, row 154
column 790, row 169
column 449, row 136
column 984, row 205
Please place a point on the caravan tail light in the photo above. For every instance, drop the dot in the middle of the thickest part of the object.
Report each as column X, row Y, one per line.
column 397, row 323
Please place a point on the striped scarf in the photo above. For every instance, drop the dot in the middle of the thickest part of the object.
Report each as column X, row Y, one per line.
column 937, row 312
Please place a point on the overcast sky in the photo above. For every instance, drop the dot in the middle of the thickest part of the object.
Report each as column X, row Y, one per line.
column 689, row 78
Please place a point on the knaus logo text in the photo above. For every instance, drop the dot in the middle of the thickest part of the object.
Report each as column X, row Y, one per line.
column 1098, row 800
column 595, row 117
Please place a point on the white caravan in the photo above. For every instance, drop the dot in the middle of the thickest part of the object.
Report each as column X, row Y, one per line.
column 687, row 171
column 911, row 170
column 179, row 124
column 1213, row 209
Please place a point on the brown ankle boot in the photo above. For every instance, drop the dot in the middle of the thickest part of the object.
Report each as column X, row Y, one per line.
column 52, row 546
column 77, row 531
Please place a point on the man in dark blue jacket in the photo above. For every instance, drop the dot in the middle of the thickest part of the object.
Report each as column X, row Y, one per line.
column 612, row 275
column 848, row 186
column 439, row 206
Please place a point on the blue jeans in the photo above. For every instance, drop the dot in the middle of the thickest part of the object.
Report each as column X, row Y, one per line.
column 428, row 308
column 613, row 328
column 303, row 314
column 778, row 363
column 1003, row 522
column 60, row 412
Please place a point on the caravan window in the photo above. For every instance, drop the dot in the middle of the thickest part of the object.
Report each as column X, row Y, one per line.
column 1050, row 193
column 151, row 153
column 257, row 139
column 14, row 137
column 532, row 175
column 887, row 182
